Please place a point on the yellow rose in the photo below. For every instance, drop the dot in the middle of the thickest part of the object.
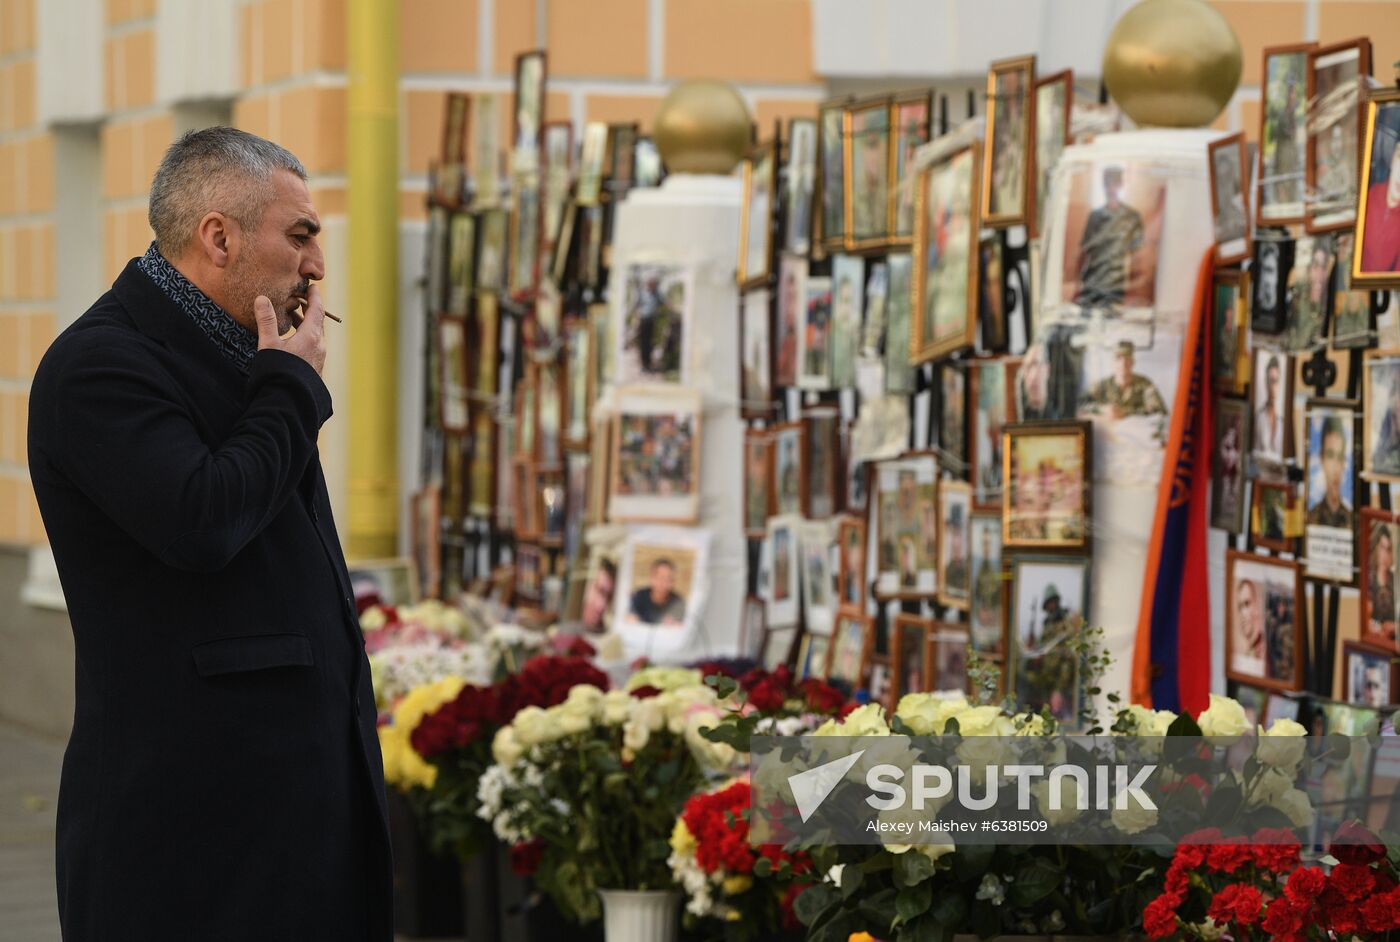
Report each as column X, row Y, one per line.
column 868, row 720
column 683, row 843
column 739, row 883
column 1224, row 717
column 424, row 699
column 403, row 767
column 926, row 714
column 506, row 748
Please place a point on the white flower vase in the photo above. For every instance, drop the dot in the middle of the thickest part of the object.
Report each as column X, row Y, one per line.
column 640, row 915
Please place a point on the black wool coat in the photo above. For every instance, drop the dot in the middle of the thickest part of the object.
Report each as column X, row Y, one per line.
column 223, row 779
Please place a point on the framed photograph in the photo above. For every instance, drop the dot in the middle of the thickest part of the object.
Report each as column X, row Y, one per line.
column 484, row 327
column 801, row 184
column 454, row 128
column 872, row 331
column 524, row 265
column 777, row 646
column 486, row 148
column 1368, row 677
column 991, row 295
column 909, row 649
column 946, row 658
column 438, row 246
column 1353, row 321
column 1227, row 471
column 756, row 236
column 1008, row 141
column 758, row 482
column 831, row 135
column 812, row 655
column 653, row 325
column 579, row 382
column 911, row 126
column 1054, row 100
column 1337, row 88
column 549, row 490
column 1273, row 505
column 819, row 600
column 1049, row 605
column 1380, row 577
column 491, row 250
column 622, row 151
column 857, row 472
column 1283, row 134
column 1309, row 293
column 985, row 617
column 1263, row 621
column 1272, row 393
column 946, row 248
column 481, row 472
column 549, row 405
column 752, row 628
column 575, row 508
column 877, row 678
column 590, row 165
column 557, row 174
column 783, row 587
column 1229, row 364
column 990, row 396
column 850, row 539
column 904, row 515
column 460, row 258
column 789, row 477
column 1377, row 262
column 821, row 463
column 456, row 449
column 755, row 342
column 452, row 361
column 1273, row 262
column 656, row 457
column 504, row 516
column 529, row 572
column 425, row 536
column 664, row 572
column 1112, row 235
column 1229, row 208
column 851, row 642
column 527, row 506
column 847, row 314
column 600, row 453
column 601, row 326
column 564, row 244
column 384, row 581
column 866, row 175
column 814, row 335
column 952, row 411
column 1046, row 496
column 954, row 549
column 1380, row 386
column 792, row 298
column 646, row 160
column 600, row 591
column 1329, row 529
column 529, row 103
column 899, row 372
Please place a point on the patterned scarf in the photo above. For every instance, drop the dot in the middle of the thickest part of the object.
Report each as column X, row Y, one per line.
column 231, row 338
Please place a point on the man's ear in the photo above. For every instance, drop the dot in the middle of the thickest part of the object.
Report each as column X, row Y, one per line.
column 217, row 238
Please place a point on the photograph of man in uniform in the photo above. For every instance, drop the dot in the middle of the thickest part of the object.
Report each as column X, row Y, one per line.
column 1112, row 233
column 1048, row 612
column 1383, row 416
column 1123, row 393
column 653, row 324
column 955, row 588
column 1271, row 411
column 1331, row 466
column 986, row 584
column 1309, row 294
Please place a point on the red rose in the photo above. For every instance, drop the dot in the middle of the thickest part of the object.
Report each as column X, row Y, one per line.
column 1353, row 844
column 768, row 695
column 1238, row 903
column 1159, row 917
column 821, row 697
column 645, row 692
column 1351, row 881
column 525, row 857
column 1304, row 885
column 847, row 708
column 1227, row 858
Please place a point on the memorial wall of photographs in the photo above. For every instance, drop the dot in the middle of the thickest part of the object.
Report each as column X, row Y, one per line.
column 1306, row 376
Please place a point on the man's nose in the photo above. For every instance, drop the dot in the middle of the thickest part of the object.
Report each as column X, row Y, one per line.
column 313, row 263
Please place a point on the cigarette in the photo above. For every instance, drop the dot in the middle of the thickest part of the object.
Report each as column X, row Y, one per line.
column 333, row 317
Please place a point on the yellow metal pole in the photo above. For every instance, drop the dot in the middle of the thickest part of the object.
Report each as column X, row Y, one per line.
column 373, row 103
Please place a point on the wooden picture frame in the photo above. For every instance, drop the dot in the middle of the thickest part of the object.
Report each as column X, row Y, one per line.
column 425, row 537
column 526, row 507
column 760, row 174
column 452, row 380
column 592, row 153
column 1027, row 585
column 801, row 174
column 456, row 116
column 986, row 616
column 519, row 135
column 1378, row 657
column 646, row 419
column 578, row 389
column 1271, row 504
column 908, row 132
column 529, row 572
column 551, row 512
column 1262, row 442
column 908, row 636
column 1039, row 178
column 1076, row 530
column 1328, row 222
column 758, row 466
column 924, row 341
column 945, row 652
column 1227, row 500
column 987, row 487
column 549, row 415
column 999, row 115
column 851, row 583
column 1229, row 248
column 556, row 177
column 481, row 467
column 1292, row 210
column 866, row 123
column 756, row 392
column 1379, row 541
column 902, row 516
column 1288, row 590
column 461, row 255
column 821, row 488
column 955, row 506
column 1229, row 349
column 1381, row 421
column 1323, row 546
column 1364, row 273
column 853, row 633
column 829, row 220
column 783, row 502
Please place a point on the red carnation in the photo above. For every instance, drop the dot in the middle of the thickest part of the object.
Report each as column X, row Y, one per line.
column 1159, row 917
column 1304, row 885
column 1189, row 856
column 768, row 695
column 1339, row 914
column 1354, row 844
column 1239, row 903
column 1227, row 858
column 1204, row 836
column 525, row 857
column 821, row 697
column 1351, row 881
column 1381, row 913
column 1284, row 918
column 847, row 708
column 1275, row 849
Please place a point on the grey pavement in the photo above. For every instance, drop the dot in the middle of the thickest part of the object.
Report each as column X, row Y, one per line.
column 29, row 767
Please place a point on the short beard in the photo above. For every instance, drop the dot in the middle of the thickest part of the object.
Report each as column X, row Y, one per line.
column 248, row 282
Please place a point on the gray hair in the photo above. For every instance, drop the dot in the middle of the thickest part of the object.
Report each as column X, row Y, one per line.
column 209, row 166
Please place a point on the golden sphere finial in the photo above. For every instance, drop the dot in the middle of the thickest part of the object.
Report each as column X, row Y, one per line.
column 1172, row 63
column 702, row 126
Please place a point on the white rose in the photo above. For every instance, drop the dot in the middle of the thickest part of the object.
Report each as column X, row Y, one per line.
column 710, row 755
column 617, row 705
column 506, row 749
column 1295, row 804
column 925, row 713
column 373, row 618
column 1271, row 785
column 1133, row 819
column 572, row 717
column 868, row 720
column 1224, row 717
column 1281, row 745
column 649, row 713
column 635, row 735
column 982, row 721
column 533, row 726
column 586, row 696
column 1069, row 801
column 1149, row 722
column 934, row 851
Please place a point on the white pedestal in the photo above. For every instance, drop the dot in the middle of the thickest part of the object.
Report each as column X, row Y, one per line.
column 1127, row 463
column 694, row 221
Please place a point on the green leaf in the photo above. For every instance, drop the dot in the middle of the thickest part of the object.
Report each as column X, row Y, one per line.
column 912, row 867
column 879, row 911
column 1035, row 880
column 914, row 901
column 1183, row 725
column 950, row 910
column 1225, row 802
column 972, row 861
column 813, row 901
column 762, row 867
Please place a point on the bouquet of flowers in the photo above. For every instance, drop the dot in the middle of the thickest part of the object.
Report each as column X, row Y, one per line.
column 399, row 668
column 587, row 791
column 773, row 703
column 428, row 622
column 724, row 876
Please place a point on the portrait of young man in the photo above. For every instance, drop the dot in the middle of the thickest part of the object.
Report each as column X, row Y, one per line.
column 223, row 778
